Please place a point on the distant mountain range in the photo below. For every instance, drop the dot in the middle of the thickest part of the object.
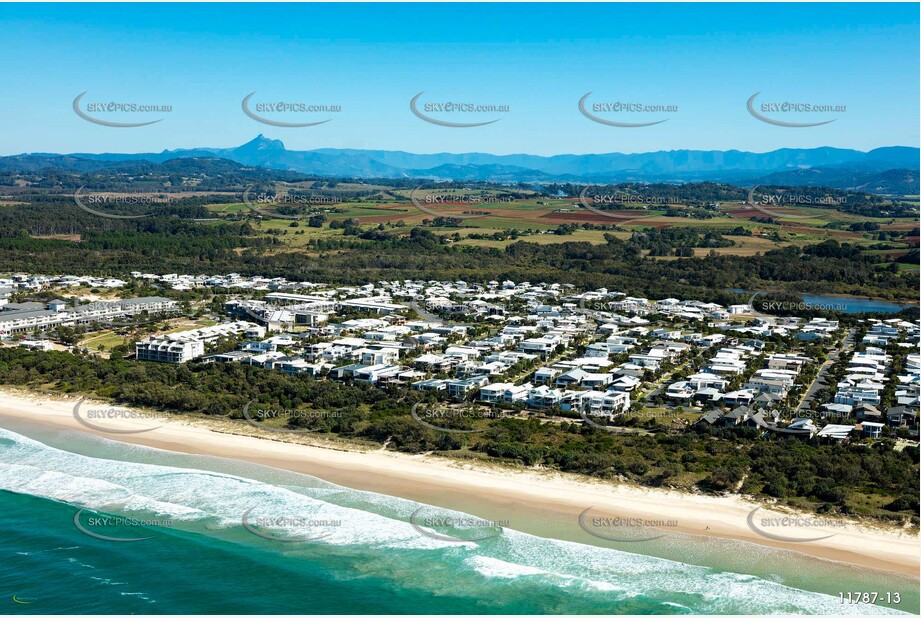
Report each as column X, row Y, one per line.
column 883, row 170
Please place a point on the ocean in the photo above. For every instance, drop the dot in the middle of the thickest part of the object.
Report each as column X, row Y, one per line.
column 96, row 526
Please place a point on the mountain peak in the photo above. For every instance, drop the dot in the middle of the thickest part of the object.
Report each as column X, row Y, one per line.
column 835, row 167
column 262, row 143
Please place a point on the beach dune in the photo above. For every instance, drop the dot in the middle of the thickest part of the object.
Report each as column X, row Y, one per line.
column 501, row 493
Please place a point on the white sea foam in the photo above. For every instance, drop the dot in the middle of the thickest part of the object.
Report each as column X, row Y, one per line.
column 376, row 527
column 182, row 495
column 493, row 567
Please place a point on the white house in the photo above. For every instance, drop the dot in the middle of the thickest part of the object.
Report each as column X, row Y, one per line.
column 544, row 397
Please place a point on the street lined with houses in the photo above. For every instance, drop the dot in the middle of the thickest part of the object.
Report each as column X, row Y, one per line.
column 544, row 348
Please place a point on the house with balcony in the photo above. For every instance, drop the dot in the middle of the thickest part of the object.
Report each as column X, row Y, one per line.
column 459, row 389
column 571, row 378
column 626, row 384
column 543, row 397
column 869, row 429
column 436, row 363
column 376, row 373
column 651, row 360
column 504, row 392
column 596, row 403
column 741, row 397
column 543, row 346
column 383, row 356
column 546, row 375
column 432, row 384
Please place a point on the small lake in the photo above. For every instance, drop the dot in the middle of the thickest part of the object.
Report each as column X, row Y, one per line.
column 851, row 305
column 847, row 304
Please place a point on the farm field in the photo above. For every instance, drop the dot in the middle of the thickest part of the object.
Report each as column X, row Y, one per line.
column 396, row 214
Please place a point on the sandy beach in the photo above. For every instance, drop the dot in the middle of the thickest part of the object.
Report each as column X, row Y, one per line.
column 485, row 490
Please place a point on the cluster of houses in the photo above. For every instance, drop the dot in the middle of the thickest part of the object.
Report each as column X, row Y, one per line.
column 235, row 281
column 35, row 283
column 859, row 392
column 760, row 418
column 232, row 281
column 442, row 357
column 798, row 328
column 614, row 302
column 531, row 345
column 768, row 385
column 386, row 347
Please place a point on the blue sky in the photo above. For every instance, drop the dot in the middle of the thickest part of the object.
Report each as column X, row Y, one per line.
column 538, row 59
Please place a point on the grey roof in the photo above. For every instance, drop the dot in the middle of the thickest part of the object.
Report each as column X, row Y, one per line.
column 232, row 354
column 26, row 315
column 712, row 416
column 143, row 300
column 758, row 419
column 26, row 306
column 739, row 412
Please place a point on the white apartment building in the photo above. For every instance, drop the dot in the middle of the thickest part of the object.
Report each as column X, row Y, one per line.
column 596, row 403
column 504, row 392
column 31, row 316
column 186, row 345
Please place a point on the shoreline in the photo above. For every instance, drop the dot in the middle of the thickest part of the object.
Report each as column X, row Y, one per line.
column 484, row 489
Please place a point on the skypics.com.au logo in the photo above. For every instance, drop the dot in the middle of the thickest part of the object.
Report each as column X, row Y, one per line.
column 791, row 107
column 758, row 308
column 115, row 528
column 281, row 419
column 792, row 528
column 115, row 420
column 451, row 419
column 623, row 201
column 288, row 528
column 788, row 199
column 428, row 202
column 454, row 527
column 155, row 204
column 624, row 529
column 83, row 201
column 285, row 109
column 103, row 113
column 257, row 203
column 456, row 109
column 621, row 108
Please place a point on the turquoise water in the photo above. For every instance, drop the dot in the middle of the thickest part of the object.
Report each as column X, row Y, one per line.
column 366, row 557
column 851, row 305
column 847, row 304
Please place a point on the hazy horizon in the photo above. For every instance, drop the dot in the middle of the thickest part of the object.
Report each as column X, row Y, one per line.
column 319, row 148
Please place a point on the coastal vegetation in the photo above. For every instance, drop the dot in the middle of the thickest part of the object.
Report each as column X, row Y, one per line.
column 876, row 480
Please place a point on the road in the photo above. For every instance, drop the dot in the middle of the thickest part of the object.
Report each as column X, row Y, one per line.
column 847, row 344
column 657, row 387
